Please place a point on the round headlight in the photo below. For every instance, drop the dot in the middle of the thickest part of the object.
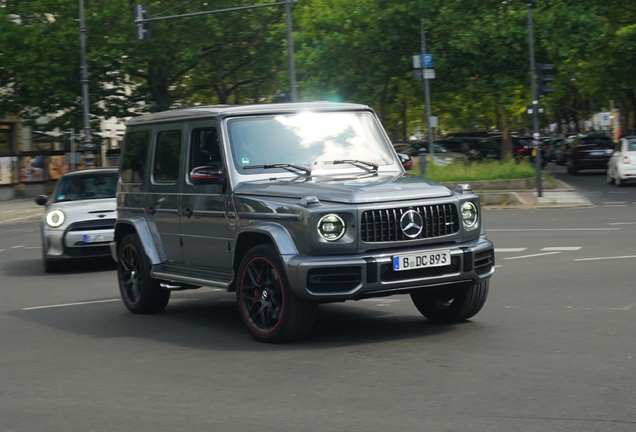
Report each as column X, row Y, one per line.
column 470, row 216
column 331, row 227
column 55, row 218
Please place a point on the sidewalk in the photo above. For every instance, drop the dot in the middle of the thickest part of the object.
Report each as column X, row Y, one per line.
column 21, row 209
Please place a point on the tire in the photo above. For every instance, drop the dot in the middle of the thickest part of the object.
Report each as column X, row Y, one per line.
column 270, row 310
column 610, row 179
column 451, row 304
column 141, row 294
column 619, row 182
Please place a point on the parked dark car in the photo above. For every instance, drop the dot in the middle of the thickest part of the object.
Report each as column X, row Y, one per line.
column 523, row 148
column 553, row 148
column 472, row 134
column 418, row 148
column 591, row 151
column 561, row 157
column 475, row 148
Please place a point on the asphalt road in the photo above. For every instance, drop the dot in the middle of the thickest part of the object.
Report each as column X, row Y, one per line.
column 593, row 185
column 552, row 350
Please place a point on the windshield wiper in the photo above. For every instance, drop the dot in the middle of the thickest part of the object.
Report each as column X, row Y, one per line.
column 289, row 167
column 370, row 166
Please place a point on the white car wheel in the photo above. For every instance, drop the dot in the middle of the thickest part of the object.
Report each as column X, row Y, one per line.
column 610, row 179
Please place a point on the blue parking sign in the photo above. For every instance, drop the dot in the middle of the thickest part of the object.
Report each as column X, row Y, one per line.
column 427, row 60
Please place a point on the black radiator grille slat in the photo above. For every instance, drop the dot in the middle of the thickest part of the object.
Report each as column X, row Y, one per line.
column 384, row 225
column 387, row 274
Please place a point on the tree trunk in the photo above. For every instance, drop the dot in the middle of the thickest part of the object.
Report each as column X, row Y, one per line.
column 503, row 124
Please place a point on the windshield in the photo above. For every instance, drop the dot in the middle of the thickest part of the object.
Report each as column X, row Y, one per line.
column 307, row 138
column 86, row 187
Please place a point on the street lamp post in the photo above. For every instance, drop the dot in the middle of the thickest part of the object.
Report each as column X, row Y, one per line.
column 88, row 146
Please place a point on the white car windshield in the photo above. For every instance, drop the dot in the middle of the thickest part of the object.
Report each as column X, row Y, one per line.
column 306, row 138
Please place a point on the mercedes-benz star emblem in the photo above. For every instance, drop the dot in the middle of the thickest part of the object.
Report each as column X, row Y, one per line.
column 411, row 223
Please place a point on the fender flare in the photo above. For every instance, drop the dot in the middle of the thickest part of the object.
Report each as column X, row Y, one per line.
column 277, row 233
column 147, row 233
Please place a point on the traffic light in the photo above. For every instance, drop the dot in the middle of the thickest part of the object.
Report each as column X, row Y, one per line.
column 142, row 30
column 544, row 80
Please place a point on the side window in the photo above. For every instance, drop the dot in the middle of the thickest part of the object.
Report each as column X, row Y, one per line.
column 166, row 166
column 206, row 150
column 133, row 164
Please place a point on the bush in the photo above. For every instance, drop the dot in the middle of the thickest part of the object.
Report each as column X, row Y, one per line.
column 486, row 170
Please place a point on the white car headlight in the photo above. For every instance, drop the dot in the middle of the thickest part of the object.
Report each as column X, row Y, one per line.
column 55, row 218
column 331, row 227
column 470, row 216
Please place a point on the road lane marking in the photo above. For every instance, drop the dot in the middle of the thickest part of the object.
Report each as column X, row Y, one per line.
column 510, row 249
column 70, row 304
column 551, row 229
column 614, row 205
column 531, row 256
column 605, row 258
column 561, row 248
column 614, row 202
column 17, row 247
column 33, row 247
column 622, row 223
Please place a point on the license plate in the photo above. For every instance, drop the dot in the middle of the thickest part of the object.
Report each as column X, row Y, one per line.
column 597, row 153
column 415, row 261
column 98, row 238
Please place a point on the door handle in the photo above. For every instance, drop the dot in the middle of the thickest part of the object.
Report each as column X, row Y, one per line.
column 187, row 212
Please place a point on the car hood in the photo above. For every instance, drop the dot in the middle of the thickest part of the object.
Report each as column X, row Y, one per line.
column 86, row 210
column 350, row 190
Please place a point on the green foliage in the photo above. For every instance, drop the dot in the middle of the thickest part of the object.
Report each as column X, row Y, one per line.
column 355, row 50
column 489, row 170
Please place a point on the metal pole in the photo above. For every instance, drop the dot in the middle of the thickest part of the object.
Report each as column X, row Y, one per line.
column 290, row 53
column 88, row 146
column 535, row 103
column 72, row 149
column 426, row 92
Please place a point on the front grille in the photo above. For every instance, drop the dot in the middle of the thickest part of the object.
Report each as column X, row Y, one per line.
column 384, row 225
column 87, row 251
column 387, row 274
column 484, row 262
column 93, row 225
column 333, row 280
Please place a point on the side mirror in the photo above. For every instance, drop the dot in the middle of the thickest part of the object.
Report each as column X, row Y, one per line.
column 204, row 175
column 41, row 200
column 406, row 160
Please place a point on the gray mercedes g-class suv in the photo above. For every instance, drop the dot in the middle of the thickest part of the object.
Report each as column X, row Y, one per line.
column 290, row 205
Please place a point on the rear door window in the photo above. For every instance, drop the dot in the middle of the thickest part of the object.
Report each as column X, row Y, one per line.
column 133, row 166
column 166, row 166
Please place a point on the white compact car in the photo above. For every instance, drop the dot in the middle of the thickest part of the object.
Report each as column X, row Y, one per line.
column 80, row 217
column 622, row 165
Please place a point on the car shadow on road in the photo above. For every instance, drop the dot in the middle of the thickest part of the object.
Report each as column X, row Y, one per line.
column 211, row 322
column 35, row 267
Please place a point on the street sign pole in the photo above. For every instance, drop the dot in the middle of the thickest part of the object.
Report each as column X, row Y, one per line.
column 535, row 103
column 426, row 92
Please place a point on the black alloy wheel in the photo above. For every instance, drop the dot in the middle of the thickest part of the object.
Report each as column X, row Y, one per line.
column 267, row 305
column 141, row 294
column 451, row 304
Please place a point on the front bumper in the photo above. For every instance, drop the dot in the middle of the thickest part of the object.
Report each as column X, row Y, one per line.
column 349, row 277
column 69, row 244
